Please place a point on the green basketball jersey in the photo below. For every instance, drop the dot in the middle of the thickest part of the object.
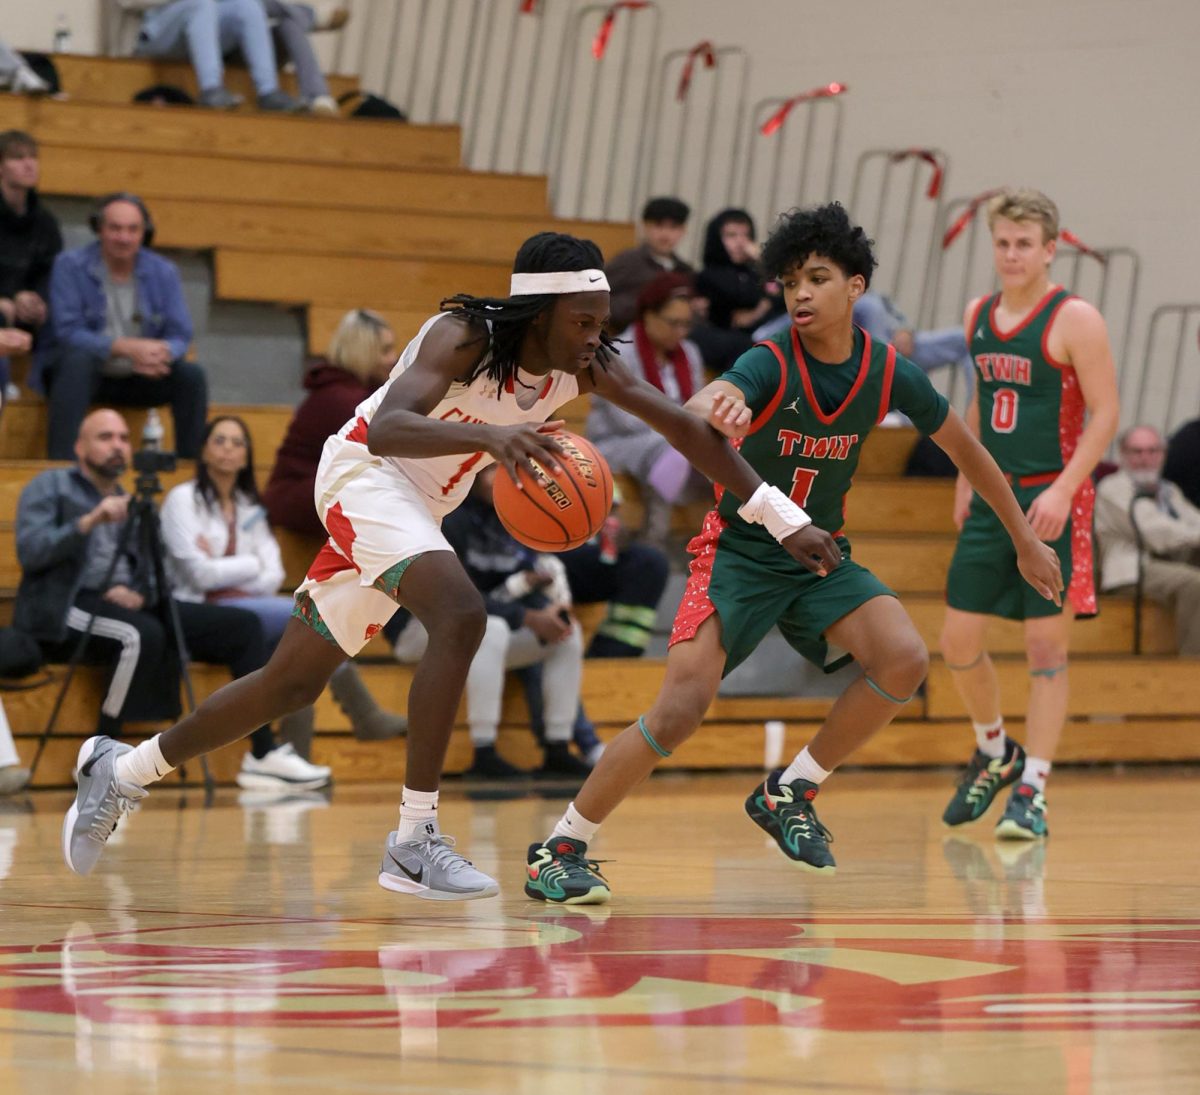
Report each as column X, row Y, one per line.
column 811, row 418
column 1030, row 406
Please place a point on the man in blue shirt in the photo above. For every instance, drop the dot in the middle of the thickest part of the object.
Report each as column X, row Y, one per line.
column 118, row 332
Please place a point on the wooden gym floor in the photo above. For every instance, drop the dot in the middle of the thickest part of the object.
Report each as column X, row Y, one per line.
column 247, row 947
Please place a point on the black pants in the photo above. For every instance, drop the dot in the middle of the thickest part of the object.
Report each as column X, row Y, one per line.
column 633, row 586
column 144, row 675
column 74, row 384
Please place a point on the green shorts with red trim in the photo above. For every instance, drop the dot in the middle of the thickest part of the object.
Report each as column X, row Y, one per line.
column 983, row 574
column 752, row 584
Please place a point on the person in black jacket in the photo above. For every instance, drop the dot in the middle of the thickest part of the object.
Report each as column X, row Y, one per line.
column 739, row 299
column 29, row 239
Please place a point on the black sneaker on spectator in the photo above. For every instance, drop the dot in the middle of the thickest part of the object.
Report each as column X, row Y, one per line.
column 488, row 764
column 560, row 761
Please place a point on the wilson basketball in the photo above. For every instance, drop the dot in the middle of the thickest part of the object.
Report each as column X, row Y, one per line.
column 557, row 510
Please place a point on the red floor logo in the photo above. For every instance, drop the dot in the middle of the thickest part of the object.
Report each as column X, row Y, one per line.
column 848, row 974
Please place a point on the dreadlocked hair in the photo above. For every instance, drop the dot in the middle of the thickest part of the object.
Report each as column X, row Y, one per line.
column 507, row 319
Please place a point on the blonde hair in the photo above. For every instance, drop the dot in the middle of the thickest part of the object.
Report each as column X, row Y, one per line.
column 358, row 342
column 1025, row 204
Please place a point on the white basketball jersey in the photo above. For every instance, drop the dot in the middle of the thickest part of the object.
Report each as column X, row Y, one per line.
column 444, row 480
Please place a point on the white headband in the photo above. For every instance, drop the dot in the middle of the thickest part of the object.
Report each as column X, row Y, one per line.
column 561, row 281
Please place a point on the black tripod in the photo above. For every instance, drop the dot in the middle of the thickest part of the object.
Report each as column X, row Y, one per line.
column 142, row 529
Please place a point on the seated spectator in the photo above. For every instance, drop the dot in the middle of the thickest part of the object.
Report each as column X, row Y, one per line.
column 29, row 240
column 220, row 550
column 1183, row 460
column 1143, row 521
column 79, row 562
column 879, row 317
column 657, row 349
column 204, row 31
column 118, row 331
column 664, row 221
column 528, row 621
column 739, row 299
column 13, row 777
column 291, row 24
column 361, row 354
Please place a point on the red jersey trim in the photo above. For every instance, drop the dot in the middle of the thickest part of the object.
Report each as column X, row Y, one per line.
column 864, row 366
column 1034, row 312
column 974, row 326
column 1052, row 362
column 889, row 370
column 777, row 398
column 696, row 607
column 359, row 432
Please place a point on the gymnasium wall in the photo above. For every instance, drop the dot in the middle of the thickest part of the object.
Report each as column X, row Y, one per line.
column 1091, row 100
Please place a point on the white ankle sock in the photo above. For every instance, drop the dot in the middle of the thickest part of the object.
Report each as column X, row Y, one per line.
column 418, row 814
column 804, row 767
column 576, row 826
column 1037, row 771
column 989, row 737
column 144, row 766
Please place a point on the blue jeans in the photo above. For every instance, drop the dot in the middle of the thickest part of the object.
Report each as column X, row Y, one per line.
column 272, row 612
column 205, row 30
column 876, row 315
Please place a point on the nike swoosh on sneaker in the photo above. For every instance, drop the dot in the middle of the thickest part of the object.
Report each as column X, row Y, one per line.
column 420, row 874
column 86, row 770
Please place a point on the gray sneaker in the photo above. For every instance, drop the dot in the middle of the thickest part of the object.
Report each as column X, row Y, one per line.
column 219, row 98
column 99, row 803
column 430, row 868
column 279, row 101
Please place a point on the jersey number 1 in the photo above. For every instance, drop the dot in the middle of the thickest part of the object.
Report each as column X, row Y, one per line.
column 802, row 481
column 1004, row 411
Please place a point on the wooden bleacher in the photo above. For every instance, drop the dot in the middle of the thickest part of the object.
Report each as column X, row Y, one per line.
column 328, row 214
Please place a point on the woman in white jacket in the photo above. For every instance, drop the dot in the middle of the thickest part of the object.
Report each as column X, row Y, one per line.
column 219, row 548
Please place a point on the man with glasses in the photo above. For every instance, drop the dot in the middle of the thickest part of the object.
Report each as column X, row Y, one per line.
column 1144, row 522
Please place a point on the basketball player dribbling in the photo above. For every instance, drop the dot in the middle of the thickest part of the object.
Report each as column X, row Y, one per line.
column 1043, row 360
column 477, row 385
column 812, row 394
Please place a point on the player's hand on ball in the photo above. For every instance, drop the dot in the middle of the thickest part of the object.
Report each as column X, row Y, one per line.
column 519, row 446
column 1039, row 566
column 729, row 415
column 815, row 549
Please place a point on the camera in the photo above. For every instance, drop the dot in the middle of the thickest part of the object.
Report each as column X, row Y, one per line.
column 148, row 461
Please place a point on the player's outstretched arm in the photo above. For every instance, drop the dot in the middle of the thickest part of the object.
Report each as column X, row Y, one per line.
column 723, row 406
column 711, row 454
column 402, row 426
column 1079, row 329
column 1038, row 562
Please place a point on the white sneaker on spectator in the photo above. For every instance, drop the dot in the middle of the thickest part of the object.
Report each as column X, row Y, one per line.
column 281, row 767
column 325, row 105
column 330, row 15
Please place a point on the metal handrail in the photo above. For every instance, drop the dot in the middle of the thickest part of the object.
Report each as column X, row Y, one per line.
column 1175, row 410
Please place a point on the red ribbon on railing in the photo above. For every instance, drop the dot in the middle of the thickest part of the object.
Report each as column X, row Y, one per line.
column 702, row 50
column 529, row 7
column 931, row 158
column 777, row 119
column 1072, row 239
column 966, row 216
column 600, row 42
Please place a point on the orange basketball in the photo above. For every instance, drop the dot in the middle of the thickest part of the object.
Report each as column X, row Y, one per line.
column 557, row 510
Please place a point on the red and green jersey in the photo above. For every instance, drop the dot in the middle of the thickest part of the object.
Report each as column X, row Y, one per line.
column 811, row 418
column 1030, row 406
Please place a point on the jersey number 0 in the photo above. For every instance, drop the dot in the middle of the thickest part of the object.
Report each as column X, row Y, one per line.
column 1004, row 410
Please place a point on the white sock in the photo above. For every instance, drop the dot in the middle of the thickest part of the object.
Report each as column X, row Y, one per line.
column 1037, row 771
column 576, row 826
column 990, row 738
column 418, row 814
column 804, row 767
column 145, row 765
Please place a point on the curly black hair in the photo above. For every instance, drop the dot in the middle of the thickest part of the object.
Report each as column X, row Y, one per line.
column 822, row 230
column 509, row 317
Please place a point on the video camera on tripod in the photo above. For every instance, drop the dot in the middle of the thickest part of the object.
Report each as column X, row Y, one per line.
column 150, row 461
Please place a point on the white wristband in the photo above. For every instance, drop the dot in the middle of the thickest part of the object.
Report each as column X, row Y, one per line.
column 775, row 511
